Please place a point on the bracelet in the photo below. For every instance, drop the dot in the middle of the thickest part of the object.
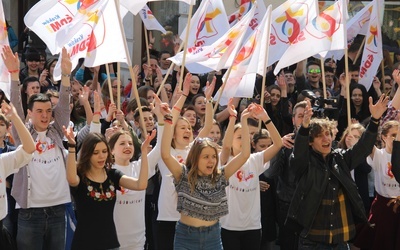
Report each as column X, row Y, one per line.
column 147, row 80
column 176, row 108
column 65, row 75
column 71, row 145
column 95, row 122
column 97, row 113
column 184, row 95
column 210, row 101
column 268, row 122
column 160, row 124
column 233, row 116
column 13, row 71
column 375, row 120
column 168, row 117
column 72, row 152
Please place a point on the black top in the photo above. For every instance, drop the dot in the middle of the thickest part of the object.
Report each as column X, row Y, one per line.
column 95, row 207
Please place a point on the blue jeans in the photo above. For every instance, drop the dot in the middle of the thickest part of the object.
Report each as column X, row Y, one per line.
column 306, row 244
column 197, row 238
column 41, row 228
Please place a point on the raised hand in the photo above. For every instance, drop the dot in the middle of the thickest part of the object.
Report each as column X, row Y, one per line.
column 149, row 138
column 210, row 88
column 287, row 140
column 66, row 64
column 380, row 106
column 308, row 113
column 231, row 108
column 84, row 95
column 69, row 134
column 186, row 84
column 258, row 112
column 8, row 110
column 10, row 59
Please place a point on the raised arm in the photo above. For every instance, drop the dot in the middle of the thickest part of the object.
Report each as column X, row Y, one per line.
column 396, row 98
column 238, row 161
column 271, row 151
column 176, row 110
column 140, row 183
column 228, row 137
column 209, row 109
column 26, row 139
column 72, row 174
column 172, row 164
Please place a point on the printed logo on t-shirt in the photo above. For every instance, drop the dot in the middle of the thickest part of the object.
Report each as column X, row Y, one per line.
column 42, row 147
column 243, row 176
column 389, row 170
column 180, row 159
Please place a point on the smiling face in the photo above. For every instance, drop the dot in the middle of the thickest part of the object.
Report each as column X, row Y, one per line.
column 164, row 63
column 182, row 134
column 194, row 85
column 357, row 97
column 123, row 148
column 99, row 156
column 207, row 161
column 200, row 105
column 215, row 133
column 322, row 143
column 275, row 96
column 314, row 74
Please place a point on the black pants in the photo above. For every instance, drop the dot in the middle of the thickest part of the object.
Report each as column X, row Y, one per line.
column 288, row 238
column 241, row 240
column 165, row 235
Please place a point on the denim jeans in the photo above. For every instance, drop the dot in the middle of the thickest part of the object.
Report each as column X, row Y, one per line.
column 197, row 238
column 312, row 245
column 41, row 228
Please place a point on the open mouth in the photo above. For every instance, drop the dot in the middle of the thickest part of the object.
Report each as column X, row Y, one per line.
column 327, row 145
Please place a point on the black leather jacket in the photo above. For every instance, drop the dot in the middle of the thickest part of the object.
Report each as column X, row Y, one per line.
column 312, row 172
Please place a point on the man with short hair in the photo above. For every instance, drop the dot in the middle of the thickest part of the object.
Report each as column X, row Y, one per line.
column 326, row 205
column 40, row 188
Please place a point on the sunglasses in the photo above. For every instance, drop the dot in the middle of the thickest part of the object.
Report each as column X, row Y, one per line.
column 312, row 71
column 388, row 81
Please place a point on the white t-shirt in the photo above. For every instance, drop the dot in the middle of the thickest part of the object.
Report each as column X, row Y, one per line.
column 243, row 195
column 130, row 204
column 168, row 199
column 385, row 183
column 49, row 186
column 9, row 164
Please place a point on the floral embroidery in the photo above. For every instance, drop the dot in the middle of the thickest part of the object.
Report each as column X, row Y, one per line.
column 101, row 195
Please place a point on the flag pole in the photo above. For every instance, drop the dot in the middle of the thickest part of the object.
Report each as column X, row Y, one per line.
column 129, row 62
column 264, row 78
column 359, row 51
column 346, row 63
column 146, row 39
column 109, row 83
column 118, row 85
column 185, row 47
column 323, row 76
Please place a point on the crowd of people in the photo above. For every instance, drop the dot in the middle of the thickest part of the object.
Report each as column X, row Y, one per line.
column 93, row 170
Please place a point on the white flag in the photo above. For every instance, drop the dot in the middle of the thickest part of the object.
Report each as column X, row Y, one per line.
column 48, row 17
column 372, row 55
column 326, row 32
column 4, row 75
column 149, row 20
column 249, row 62
column 287, row 24
column 94, row 35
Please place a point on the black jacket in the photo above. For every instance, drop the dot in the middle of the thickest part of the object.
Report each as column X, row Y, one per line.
column 312, row 173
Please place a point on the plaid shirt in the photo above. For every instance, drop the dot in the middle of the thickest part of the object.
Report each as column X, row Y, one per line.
column 333, row 222
column 391, row 114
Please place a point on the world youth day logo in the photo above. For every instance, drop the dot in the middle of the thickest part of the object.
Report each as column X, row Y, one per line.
column 326, row 24
column 206, row 27
column 147, row 14
column 287, row 27
column 372, row 41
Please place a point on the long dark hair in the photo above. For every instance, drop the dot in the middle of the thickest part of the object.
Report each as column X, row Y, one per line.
column 86, row 152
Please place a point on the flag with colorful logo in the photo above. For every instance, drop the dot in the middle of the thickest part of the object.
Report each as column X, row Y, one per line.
column 358, row 24
column 372, row 55
column 149, row 20
column 48, row 17
column 212, row 56
column 134, row 6
column 245, row 6
column 326, row 32
column 4, row 75
column 93, row 33
column 287, row 24
column 207, row 25
column 249, row 62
